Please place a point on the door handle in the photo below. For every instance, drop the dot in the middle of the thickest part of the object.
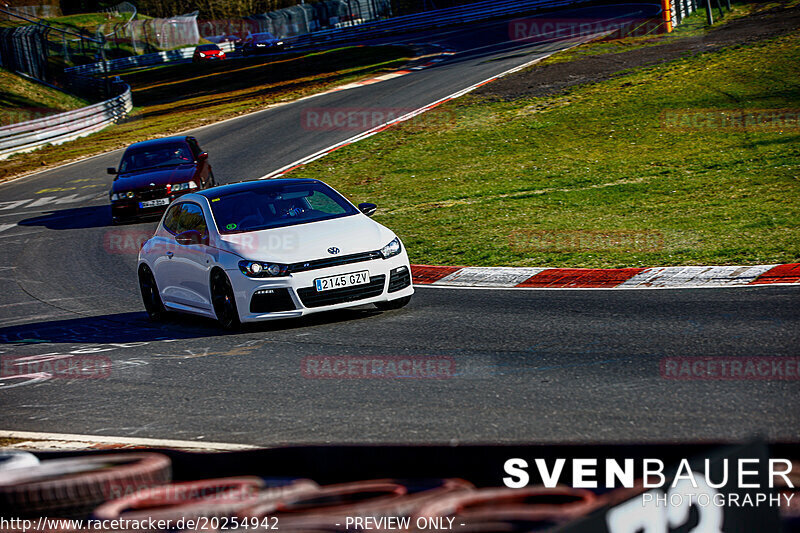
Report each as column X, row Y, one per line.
column 170, row 254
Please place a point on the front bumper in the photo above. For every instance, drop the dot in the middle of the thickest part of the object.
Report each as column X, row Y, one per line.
column 295, row 295
column 125, row 209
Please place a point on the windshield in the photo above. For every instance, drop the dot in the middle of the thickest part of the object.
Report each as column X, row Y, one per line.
column 159, row 155
column 277, row 206
column 207, row 47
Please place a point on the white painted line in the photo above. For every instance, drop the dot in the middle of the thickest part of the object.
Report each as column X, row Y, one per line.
column 408, row 116
column 99, row 439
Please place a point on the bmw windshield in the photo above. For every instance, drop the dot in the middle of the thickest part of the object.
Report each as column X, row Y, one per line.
column 278, row 205
column 160, row 155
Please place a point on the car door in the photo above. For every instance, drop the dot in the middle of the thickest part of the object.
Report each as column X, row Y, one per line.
column 164, row 253
column 191, row 262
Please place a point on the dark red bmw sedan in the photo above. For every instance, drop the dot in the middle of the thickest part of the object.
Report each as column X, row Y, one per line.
column 153, row 173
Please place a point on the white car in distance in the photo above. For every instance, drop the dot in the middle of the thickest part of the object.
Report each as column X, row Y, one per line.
column 269, row 249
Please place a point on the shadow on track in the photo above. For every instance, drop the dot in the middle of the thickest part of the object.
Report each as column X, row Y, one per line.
column 97, row 216
column 136, row 327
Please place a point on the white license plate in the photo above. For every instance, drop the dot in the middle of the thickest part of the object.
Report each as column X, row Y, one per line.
column 342, row 280
column 154, row 203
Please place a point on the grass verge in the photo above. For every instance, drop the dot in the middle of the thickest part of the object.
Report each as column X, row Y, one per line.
column 594, row 177
column 177, row 98
column 22, row 99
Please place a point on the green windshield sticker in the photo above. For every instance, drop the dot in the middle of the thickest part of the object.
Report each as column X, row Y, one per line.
column 230, row 226
column 215, row 200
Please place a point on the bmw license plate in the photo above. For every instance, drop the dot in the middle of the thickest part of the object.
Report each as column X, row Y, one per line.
column 342, row 280
column 154, row 203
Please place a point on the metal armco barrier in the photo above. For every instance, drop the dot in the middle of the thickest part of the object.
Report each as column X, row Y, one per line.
column 56, row 129
column 182, row 54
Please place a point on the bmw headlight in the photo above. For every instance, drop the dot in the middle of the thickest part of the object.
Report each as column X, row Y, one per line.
column 182, row 186
column 257, row 269
column 121, row 195
column 391, row 249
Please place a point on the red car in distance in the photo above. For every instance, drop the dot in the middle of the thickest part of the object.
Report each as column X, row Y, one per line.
column 207, row 52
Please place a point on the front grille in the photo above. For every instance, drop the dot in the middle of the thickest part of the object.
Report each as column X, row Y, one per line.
column 271, row 301
column 334, row 261
column 399, row 279
column 151, row 194
column 311, row 298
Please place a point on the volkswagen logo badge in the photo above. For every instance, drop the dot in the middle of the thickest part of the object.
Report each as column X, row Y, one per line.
column 333, row 250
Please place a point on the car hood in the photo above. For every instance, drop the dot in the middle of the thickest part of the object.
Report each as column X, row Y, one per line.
column 306, row 242
column 158, row 176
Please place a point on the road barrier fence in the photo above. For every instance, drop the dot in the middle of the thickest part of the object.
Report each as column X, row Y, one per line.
column 56, row 129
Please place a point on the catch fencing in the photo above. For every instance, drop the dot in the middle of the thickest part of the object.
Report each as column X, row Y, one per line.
column 430, row 19
column 330, row 14
column 163, row 33
column 24, row 49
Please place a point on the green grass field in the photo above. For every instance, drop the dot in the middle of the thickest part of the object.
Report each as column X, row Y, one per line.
column 22, row 99
column 594, row 177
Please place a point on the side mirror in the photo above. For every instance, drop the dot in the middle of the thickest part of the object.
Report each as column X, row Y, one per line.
column 192, row 236
column 367, row 208
column 111, row 170
column 202, row 156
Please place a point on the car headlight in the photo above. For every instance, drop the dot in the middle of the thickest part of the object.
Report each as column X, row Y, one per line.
column 257, row 269
column 181, row 186
column 391, row 249
column 121, row 195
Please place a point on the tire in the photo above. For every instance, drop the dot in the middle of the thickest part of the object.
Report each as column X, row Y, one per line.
column 190, row 500
column 393, row 304
column 224, row 301
column 150, row 295
column 212, row 181
column 70, row 488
